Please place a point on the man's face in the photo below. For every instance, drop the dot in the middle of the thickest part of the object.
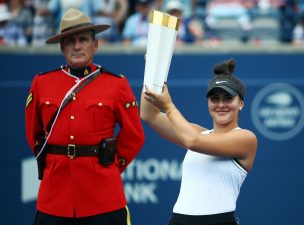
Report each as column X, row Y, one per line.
column 143, row 9
column 78, row 49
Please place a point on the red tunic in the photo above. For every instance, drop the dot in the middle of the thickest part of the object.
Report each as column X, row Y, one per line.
column 82, row 186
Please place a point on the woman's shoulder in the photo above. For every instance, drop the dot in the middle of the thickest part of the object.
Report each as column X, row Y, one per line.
column 245, row 135
column 249, row 143
column 244, row 131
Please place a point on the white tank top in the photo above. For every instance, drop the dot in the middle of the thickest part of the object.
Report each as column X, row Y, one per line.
column 210, row 184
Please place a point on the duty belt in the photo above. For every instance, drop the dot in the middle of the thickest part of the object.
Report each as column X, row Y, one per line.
column 73, row 150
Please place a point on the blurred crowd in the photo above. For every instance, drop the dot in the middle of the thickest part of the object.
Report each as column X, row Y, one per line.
column 31, row 22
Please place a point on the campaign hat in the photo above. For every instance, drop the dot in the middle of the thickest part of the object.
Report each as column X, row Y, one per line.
column 74, row 21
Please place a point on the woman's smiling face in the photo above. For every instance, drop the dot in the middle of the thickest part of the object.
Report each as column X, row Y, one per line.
column 223, row 107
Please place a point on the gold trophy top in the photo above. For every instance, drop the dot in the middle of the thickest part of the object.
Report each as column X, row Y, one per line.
column 164, row 19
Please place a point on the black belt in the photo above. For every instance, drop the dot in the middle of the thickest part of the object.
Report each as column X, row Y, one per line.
column 221, row 218
column 73, row 150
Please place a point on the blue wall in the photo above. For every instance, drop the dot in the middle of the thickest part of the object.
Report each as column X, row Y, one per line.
column 273, row 191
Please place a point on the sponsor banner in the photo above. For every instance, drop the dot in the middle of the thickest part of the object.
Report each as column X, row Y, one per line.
column 277, row 111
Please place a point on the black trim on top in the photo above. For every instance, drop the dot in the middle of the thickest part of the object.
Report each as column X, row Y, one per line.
column 238, row 162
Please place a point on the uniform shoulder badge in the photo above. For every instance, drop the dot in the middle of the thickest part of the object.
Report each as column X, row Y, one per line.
column 29, row 99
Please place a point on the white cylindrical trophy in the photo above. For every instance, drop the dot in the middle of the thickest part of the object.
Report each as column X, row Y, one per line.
column 161, row 40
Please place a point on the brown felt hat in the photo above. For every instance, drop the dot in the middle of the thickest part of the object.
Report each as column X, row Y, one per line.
column 74, row 21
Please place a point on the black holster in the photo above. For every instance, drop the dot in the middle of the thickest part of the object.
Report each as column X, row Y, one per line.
column 40, row 159
column 107, row 150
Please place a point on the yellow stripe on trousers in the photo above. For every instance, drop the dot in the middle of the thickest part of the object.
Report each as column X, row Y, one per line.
column 128, row 216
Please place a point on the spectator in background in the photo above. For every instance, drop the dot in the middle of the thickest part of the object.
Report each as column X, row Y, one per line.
column 42, row 23
column 158, row 5
column 22, row 16
column 263, row 8
column 190, row 30
column 56, row 8
column 114, row 13
column 235, row 9
column 289, row 17
column 4, row 17
column 10, row 33
column 199, row 9
column 268, row 7
column 252, row 7
column 135, row 31
column 187, row 6
column 298, row 32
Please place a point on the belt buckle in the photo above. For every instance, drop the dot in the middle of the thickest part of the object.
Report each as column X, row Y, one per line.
column 71, row 151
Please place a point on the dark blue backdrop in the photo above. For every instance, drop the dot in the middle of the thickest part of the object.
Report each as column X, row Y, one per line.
column 272, row 193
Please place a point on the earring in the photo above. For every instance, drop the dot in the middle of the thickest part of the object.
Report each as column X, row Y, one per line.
column 240, row 108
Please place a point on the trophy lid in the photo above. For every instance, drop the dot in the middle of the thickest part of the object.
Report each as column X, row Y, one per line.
column 164, row 19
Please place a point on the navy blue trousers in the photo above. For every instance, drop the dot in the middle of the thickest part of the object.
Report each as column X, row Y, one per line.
column 118, row 217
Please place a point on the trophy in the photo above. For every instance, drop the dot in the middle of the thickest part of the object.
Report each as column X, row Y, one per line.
column 160, row 45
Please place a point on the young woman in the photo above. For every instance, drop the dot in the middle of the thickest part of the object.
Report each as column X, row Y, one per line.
column 217, row 160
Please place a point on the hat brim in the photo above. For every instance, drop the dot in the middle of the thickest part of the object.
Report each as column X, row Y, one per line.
column 57, row 38
column 225, row 88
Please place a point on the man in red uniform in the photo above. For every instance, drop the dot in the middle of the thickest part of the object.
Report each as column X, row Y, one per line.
column 76, row 187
